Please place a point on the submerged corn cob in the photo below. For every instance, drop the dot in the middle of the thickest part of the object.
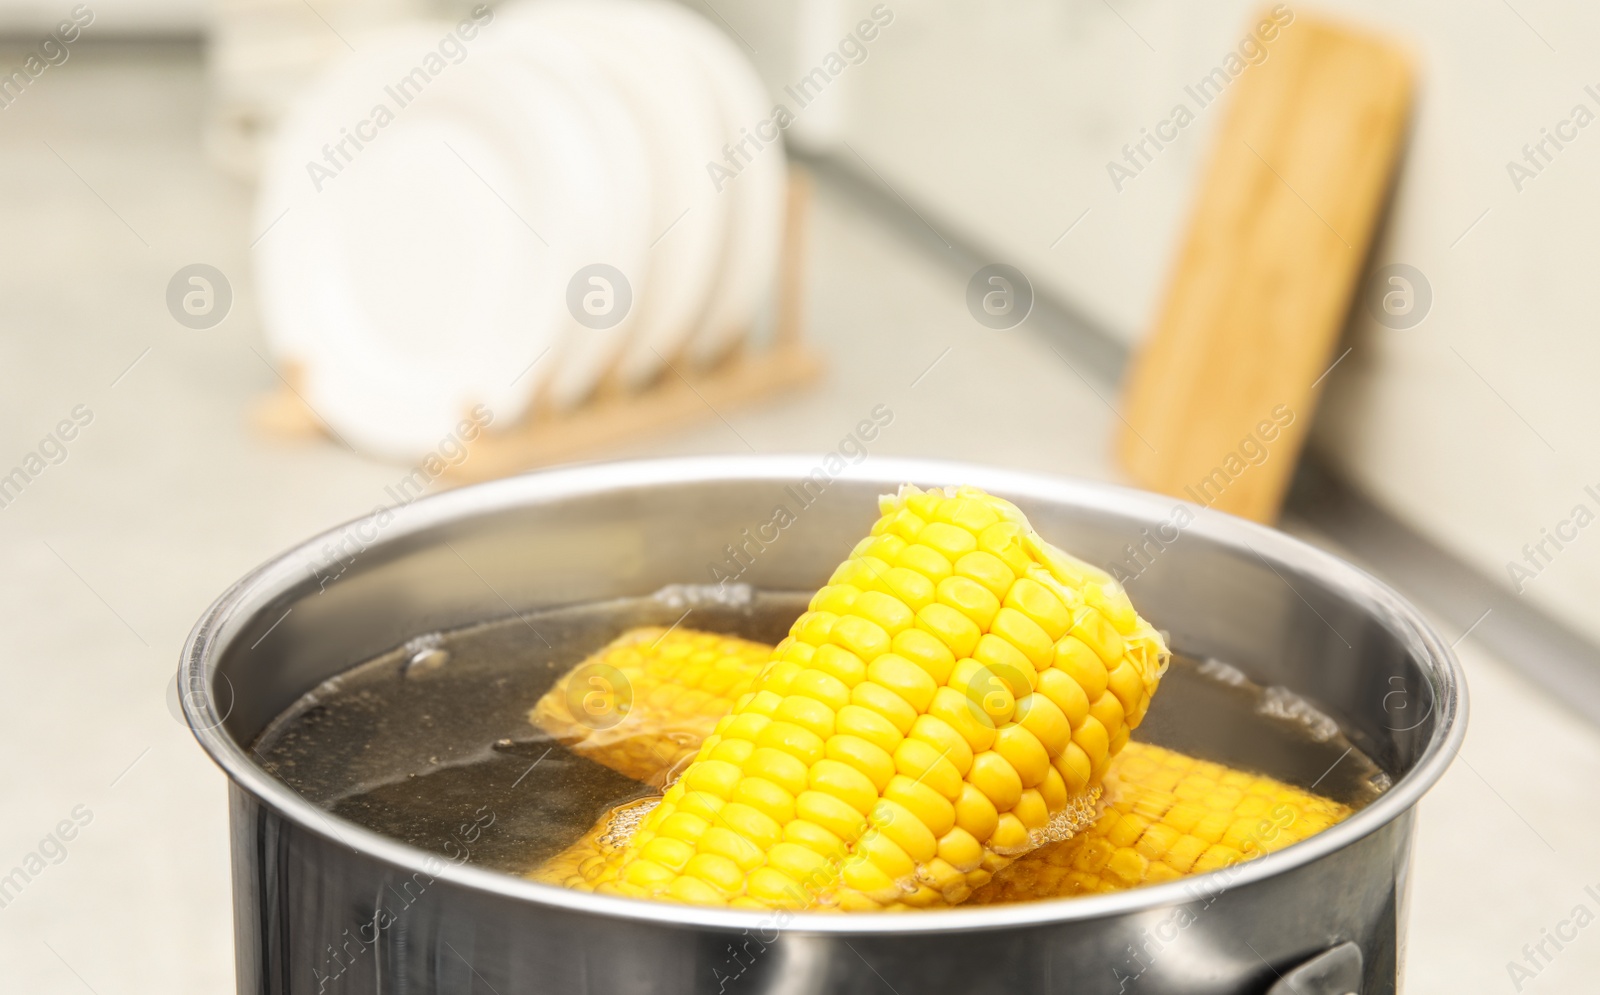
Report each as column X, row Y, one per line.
column 583, row 863
column 1166, row 815
column 647, row 700
column 957, row 685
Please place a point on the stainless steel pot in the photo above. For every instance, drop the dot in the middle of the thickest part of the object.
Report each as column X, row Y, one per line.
column 322, row 905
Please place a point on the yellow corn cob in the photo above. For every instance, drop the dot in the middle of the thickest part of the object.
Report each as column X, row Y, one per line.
column 648, row 699
column 957, row 685
column 1159, row 806
column 1166, row 815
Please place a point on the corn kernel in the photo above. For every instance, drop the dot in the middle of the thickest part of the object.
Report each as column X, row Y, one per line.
column 802, row 743
column 799, row 862
column 905, row 524
column 926, row 651
column 924, row 560
column 887, row 612
column 1010, row 835
column 1074, row 657
column 725, row 842
column 975, row 726
column 904, row 678
column 913, row 589
column 972, row 515
column 781, row 768
column 835, row 598
column 1074, row 767
column 1092, row 738
column 1125, row 682
column 1185, row 852
column 1129, row 866
column 1024, row 633
column 764, row 703
column 1211, row 826
column 1048, row 724
column 646, row 873
column 960, row 849
column 954, row 629
column 975, row 813
column 1023, row 752
column 1041, row 605
column 974, row 601
column 988, row 570
column 886, row 854
column 702, row 805
column 752, row 824
column 996, row 778
column 765, row 797
column 1066, row 694
column 814, row 627
column 1004, row 540
column 840, row 664
column 866, row 639
column 943, row 737
column 775, row 889
column 922, row 761
column 870, row 760
column 864, row 876
column 1030, row 809
column 1108, row 712
column 900, row 824
column 877, row 698
column 845, row 783
column 870, row 725
column 951, row 541
column 670, row 853
column 1217, row 857
column 1093, row 628
column 807, row 713
column 857, row 571
column 733, row 751
column 883, row 547
column 824, row 687
column 1006, row 662
column 930, row 808
column 747, row 726
column 1054, row 791
column 717, row 777
column 940, row 873
column 831, row 813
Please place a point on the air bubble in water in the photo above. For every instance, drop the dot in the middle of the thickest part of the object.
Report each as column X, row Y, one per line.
column 425, row 655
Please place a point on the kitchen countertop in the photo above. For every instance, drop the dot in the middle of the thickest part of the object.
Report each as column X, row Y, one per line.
column 167, row 495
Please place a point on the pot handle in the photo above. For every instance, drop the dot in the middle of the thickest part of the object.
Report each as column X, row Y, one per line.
column 1335, row 971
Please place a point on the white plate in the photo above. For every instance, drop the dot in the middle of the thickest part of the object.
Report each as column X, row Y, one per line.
column 617, row 231
column 759, row 189
column 429, row 273
column 650, row 63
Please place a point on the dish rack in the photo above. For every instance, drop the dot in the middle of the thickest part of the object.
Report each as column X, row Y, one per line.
column 615, row 414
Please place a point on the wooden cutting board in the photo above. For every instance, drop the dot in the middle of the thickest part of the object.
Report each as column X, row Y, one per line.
column 1220, row 397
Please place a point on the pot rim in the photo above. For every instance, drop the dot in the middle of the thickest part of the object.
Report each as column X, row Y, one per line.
column 257, row 588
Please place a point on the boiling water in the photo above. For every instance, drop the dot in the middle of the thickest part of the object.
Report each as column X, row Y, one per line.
column 431, row 744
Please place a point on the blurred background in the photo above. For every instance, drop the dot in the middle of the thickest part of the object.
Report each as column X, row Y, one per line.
column 168, row 253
